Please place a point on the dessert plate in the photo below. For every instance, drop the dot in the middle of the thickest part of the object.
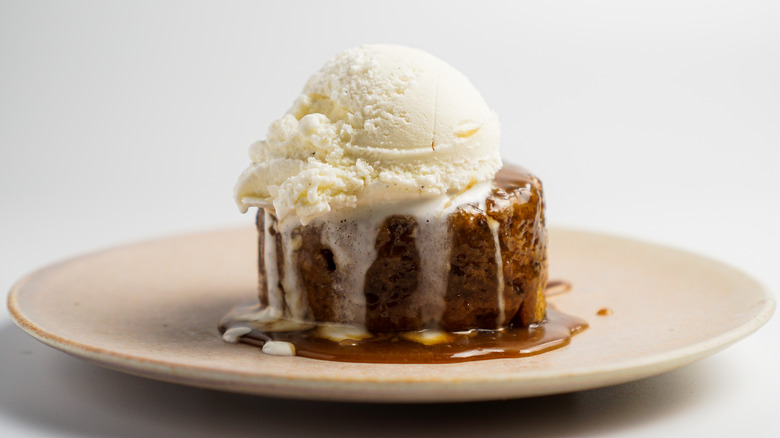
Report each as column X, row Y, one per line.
column 151, row 309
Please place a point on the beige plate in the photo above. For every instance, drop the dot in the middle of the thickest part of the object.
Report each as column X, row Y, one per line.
column 152, row 309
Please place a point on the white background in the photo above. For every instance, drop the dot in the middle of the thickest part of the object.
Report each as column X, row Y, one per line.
column 124, row 121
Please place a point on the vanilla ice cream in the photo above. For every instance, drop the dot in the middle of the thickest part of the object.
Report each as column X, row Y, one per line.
column 377, row 124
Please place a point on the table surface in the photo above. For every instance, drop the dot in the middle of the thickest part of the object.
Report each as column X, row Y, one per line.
column 128, row 122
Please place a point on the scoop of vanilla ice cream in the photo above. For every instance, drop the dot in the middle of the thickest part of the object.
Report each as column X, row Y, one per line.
column 377, row 124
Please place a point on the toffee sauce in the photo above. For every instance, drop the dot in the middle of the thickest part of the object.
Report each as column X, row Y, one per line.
column 390, row 347
column 606, row 311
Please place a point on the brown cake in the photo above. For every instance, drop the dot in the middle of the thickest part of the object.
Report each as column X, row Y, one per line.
column 487, row 268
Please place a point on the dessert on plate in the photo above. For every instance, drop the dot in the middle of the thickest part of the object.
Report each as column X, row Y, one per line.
column 389, row 229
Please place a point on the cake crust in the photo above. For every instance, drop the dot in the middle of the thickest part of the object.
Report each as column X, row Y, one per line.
column 495, row 269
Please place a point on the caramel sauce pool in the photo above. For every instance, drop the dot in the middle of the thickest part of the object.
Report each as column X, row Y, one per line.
column 554, row 333
column 390, row 347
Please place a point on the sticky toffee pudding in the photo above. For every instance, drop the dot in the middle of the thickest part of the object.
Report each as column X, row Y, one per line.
column 435, row 282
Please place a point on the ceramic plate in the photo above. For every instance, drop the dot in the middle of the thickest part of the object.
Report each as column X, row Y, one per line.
column 151, row 309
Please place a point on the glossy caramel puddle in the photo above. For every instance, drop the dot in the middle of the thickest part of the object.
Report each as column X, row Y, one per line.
column 392, row 347
column 556, row 332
